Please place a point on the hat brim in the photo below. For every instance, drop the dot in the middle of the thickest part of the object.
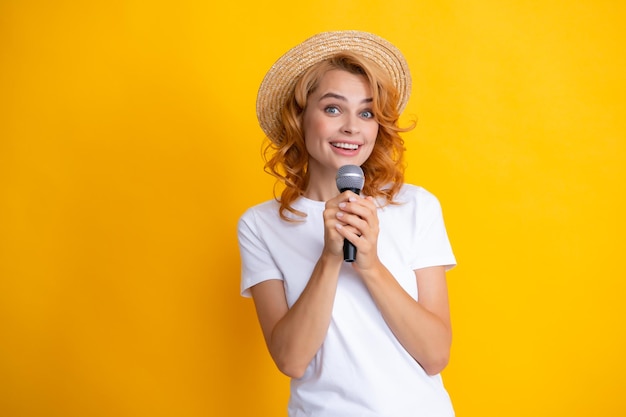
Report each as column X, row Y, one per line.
column 281, row 78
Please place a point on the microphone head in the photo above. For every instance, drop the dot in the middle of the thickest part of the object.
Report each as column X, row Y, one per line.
column 350, row 177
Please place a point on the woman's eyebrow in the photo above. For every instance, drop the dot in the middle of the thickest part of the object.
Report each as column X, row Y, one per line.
column 342, row 98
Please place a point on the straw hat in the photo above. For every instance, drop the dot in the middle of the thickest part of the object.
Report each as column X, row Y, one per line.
column 281, row 78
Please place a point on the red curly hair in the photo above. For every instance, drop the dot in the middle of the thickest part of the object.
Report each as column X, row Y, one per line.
column 384, row 169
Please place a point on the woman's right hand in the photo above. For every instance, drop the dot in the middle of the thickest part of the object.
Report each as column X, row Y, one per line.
column 333, row 241
column 294, row 335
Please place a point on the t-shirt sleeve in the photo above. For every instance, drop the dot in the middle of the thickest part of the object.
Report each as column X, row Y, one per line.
column 432, row 246
column 257, row 263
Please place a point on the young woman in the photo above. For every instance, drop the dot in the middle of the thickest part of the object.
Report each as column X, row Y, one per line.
column 370, row 337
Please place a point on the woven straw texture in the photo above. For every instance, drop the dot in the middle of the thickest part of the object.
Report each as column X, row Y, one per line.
column 281, row 78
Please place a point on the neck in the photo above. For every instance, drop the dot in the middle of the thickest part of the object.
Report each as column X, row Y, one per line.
column 320, row 195
column 321, row 188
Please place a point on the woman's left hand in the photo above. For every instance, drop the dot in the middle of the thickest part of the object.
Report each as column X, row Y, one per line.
column 358, row 222
column 422, row 327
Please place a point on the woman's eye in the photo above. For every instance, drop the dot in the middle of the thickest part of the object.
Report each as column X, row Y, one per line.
column 367, row 114
column 331, row 110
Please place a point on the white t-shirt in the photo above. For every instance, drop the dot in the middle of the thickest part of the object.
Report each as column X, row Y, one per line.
column 361, row 369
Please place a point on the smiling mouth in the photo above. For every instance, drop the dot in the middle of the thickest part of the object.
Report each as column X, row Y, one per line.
column 348, row 146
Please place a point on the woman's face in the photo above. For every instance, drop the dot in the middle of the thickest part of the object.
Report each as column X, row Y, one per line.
column 338, row 123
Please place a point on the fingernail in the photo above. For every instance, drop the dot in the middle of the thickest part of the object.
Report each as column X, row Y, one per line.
column 352, row 199
column 339, row 214
column 342, row 205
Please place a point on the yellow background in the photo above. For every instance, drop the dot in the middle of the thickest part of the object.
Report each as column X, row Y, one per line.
column 129, row 147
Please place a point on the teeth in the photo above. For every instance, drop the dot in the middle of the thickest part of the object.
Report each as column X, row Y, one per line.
column 351, row 146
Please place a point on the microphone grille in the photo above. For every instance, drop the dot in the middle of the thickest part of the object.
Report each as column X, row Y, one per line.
column 350, row 177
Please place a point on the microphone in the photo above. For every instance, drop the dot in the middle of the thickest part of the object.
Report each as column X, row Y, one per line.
column 350, row 177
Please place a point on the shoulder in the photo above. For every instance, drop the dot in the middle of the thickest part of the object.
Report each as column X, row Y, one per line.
column 415, row 194
column 261, row 208
column 416, row 201
column 265, row 211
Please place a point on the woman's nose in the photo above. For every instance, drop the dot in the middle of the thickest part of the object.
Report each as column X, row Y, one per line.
column 350, row 124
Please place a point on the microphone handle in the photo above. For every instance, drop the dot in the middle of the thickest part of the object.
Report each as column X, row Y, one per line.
column 349, row 250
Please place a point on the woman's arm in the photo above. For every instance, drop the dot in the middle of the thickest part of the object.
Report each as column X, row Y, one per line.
column 423, row 326
column 293, row 336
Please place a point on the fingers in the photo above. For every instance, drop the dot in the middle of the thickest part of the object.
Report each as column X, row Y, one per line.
column 333, row 235
column 358, row 217
column 351, row 216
